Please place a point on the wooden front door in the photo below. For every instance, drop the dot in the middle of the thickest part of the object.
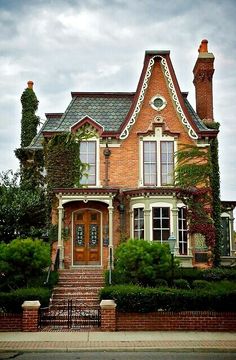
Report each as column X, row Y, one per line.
column 87, row 231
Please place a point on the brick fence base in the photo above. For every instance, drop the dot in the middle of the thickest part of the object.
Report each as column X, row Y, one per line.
column 186, row 320
column 10, row 322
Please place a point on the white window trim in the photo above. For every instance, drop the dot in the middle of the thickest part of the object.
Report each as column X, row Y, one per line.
column 158, row 137
column 136, row 206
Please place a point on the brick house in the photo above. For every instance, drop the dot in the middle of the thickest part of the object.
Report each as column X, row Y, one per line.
column 129, row 189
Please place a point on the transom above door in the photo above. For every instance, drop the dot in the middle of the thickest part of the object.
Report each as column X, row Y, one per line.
column 86, row 239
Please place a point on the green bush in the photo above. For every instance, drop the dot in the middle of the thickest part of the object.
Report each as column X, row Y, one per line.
column 141, row 262
column 181, row 284
column 161, row 283
column 217, row 274
column 132, row 298
column 201, row 284
column 23, row 260
column 11, row 302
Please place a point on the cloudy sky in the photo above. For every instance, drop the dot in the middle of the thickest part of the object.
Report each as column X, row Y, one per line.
column 98, row 45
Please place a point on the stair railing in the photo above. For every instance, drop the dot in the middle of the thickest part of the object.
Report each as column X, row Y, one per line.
column 54, row 266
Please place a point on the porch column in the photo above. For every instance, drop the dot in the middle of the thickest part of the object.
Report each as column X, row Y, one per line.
column 147, row 227
column 110, row 247
column 60, row 244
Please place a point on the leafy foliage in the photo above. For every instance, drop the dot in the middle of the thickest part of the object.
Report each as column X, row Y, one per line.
column 23, row 260
column 130, row 298
column 29, row 120
column 194, row 173
column 22, row 210
column 62, row 152
column 142, row 262
column 10, row 302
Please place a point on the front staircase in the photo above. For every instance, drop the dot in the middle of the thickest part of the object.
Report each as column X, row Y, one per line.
column 75, row 300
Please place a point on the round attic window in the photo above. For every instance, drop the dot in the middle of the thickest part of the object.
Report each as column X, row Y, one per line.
column 158, row 102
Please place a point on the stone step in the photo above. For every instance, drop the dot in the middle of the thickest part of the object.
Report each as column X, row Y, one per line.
column 87, row 289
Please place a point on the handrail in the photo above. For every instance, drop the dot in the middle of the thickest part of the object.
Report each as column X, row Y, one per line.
column 53, row 266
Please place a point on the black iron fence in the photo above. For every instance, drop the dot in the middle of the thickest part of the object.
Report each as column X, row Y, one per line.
column 71, row 314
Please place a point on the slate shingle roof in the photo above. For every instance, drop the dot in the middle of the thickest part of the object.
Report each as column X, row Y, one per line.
column 196, row 119
column 107, row 110
column 51, row 123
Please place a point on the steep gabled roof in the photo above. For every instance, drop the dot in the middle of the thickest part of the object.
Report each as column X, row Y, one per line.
column 116, row 112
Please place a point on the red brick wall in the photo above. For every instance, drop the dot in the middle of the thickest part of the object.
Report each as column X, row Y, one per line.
column 187, row 320
column 10, row 322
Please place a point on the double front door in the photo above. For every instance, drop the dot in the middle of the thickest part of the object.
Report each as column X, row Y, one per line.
column 86, row 240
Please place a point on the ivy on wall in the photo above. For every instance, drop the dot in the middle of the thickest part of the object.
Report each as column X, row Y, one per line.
column 198, row 176
column 29, row 121
column 62, row 155
column 215, row 186
column 193, row 176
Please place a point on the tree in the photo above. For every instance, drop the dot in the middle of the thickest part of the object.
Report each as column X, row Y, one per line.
column 22, row 211
column 23, row 260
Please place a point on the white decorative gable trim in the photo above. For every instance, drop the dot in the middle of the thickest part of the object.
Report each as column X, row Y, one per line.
column 192, row 134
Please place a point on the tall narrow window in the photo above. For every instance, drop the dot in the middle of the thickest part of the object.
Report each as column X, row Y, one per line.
column 138, row 223
column 167, row 162
column 149, row 163
column 225, row 246
column 183, row 240
column 161, row 223
column 88, row 156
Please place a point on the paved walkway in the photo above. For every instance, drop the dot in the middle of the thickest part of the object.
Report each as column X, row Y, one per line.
column 118, row 341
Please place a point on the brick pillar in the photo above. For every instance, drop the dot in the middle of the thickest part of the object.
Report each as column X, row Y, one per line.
column 30, row 315
column 108, row 315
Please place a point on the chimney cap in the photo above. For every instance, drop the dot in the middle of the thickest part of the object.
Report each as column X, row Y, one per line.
column 203, row 46
column 30, row 84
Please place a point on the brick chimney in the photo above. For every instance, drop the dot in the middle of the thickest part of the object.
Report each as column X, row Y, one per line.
column 30, row 84
column 203, row 72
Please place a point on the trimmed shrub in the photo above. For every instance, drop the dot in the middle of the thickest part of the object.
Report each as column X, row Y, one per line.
column 23, row 260
column 11, row 302
column 161, row 283
column 201, row 284
column 142, row 262
column 181, row 284
column 132, row 298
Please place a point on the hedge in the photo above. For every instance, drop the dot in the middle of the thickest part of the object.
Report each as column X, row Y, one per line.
column 10, row 302
column 130, row 298
column 189, row 274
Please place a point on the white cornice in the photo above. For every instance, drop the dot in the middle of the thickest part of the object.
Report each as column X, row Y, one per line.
column 192, row 134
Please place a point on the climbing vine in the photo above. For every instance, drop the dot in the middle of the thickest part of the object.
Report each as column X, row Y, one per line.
column 215, row 186
column 193, row 176
column 62, row 154
column 29, row 120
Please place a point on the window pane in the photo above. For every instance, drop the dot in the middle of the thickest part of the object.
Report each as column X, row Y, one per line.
column 139, row 223
column 88, row 157
column 167, row 162
column 161, row 224
column 149, row 163
column 183, row 238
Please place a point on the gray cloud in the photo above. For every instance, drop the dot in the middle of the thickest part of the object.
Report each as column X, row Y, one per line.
column 98, row 45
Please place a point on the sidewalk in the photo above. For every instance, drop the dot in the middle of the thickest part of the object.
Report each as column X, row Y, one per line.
column 118, row 341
